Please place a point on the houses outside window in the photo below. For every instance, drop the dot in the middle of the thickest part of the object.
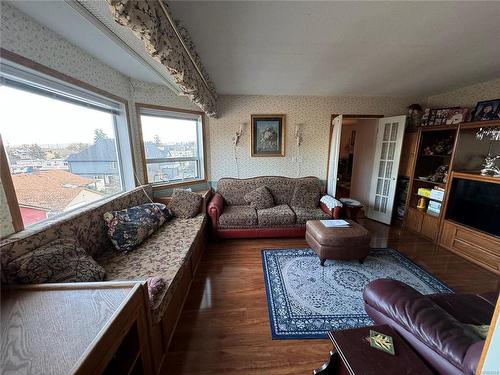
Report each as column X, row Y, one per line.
column 65, row 147
column 173, row 148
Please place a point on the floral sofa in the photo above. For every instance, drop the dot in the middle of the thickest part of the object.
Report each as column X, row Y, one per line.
column 170, row 255
column 296, row 200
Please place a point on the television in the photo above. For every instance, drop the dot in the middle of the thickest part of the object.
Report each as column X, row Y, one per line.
column 475, row 204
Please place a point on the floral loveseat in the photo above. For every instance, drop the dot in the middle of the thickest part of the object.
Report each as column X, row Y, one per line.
column 296, row 200
column 170, row 255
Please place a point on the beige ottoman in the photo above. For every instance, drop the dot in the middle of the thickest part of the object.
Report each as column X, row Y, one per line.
column 348, row 243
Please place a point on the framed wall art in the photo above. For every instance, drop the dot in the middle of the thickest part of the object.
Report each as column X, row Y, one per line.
column 268, row 135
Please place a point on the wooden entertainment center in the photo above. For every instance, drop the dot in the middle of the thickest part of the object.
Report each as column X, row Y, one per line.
column 463, row 155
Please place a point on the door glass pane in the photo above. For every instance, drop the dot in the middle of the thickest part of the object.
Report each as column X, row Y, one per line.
column 394, row 132
column 388, row 170
column 383, row 205
column 386, row 187
column 387, row 132
column 383, row 154
column 380, row 182
column 377, row 203
column 392, row 148
column 381, row 169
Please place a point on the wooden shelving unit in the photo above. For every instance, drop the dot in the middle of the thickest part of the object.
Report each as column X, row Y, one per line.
column 419, row 220
column 464, row 163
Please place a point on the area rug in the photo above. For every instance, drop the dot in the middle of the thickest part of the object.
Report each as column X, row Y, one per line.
column 306, row 300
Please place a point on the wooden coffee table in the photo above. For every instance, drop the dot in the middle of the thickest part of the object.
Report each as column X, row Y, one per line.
column 352, row 354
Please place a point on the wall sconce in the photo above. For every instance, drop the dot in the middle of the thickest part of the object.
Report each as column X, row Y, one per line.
column 298, row 134
column 237, row 135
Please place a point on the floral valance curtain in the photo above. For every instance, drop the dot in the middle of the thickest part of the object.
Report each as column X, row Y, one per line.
column 148, row 21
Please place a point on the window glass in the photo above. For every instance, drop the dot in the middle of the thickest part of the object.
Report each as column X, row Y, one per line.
column 173, row 146
column 61, row 155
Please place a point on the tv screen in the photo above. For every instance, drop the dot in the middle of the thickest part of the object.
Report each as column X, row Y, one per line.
column 475, row 204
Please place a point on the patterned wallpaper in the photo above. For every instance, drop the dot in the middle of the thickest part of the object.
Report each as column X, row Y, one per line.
column 467, row 96
column 312, row 112
column 24, row 36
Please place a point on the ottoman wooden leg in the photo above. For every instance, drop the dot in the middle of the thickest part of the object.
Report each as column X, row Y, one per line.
column 323, row 262
column 361, row 260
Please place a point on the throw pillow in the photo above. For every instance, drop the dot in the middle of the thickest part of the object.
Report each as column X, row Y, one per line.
column 306, row 195
column 128, row 228
column 260, row 198
column 185, row 204
column 59, row 261
column 480, row 330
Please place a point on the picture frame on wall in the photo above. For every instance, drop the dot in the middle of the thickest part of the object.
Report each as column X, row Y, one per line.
column 443, row 116
column 487, row 110
column 267, row 135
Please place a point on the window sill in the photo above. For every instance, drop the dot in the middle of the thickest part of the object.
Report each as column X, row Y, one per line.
column 162, row 186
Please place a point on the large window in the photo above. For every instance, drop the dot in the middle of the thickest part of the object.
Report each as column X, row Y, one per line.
column 66, row 147
column 173, row 145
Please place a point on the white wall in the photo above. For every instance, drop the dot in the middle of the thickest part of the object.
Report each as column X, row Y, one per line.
column 364, row 149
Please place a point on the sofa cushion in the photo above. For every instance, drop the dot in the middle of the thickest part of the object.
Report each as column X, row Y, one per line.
column 276, row 216
column 282, row 188
column 260, row 198
column 185, row 204
column 59, row 261
column 163, row 255
column 304, row 214
column 238, row 217
column 130, row 227
column 306, row 194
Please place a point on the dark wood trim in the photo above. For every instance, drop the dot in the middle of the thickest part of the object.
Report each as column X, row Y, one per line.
column 21, row 60
column 351, row 116
column 10, row 192
column 161, row 186
column 479, row 124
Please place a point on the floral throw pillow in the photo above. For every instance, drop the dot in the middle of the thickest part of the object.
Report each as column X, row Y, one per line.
column 260, row 198
column 59, row 261
column 128, row 228
column 185, row 204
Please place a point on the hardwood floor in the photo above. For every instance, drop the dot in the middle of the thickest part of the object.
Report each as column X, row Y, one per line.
column 224, row 327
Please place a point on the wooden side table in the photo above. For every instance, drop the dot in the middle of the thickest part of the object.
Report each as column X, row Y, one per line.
column 352, row 354
column 75, row 328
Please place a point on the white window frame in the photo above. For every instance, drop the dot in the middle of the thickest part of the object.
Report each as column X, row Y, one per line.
column 21, row 77
column 199, row 158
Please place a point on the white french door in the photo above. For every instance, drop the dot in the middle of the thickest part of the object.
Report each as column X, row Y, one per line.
column 334, row 153
column 390, row 131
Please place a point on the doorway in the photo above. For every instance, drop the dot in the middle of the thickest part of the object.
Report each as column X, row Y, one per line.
column 363, row 161
column 356, row 137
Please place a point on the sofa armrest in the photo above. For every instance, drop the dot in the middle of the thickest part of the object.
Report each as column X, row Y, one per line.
column 334, row 212
column 215, row 209
column 419, row 315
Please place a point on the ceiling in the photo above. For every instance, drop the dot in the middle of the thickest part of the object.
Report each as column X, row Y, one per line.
column 344, row 48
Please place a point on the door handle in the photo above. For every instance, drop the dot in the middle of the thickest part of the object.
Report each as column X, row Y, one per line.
column 393, row 178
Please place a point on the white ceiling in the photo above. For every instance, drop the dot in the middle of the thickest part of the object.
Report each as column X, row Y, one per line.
column 344, row 48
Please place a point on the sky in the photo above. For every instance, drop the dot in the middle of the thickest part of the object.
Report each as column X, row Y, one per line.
column 27, row 118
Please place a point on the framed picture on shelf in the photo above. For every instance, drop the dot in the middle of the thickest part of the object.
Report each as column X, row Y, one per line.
column 457, row 116
column 268, row 135
column 487, row 110
column 437, row 116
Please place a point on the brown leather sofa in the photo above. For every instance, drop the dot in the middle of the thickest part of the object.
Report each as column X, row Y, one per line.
column 296, row 201
column 437, row 326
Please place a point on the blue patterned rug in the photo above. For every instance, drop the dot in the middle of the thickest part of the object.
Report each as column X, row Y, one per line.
column 305, row 300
